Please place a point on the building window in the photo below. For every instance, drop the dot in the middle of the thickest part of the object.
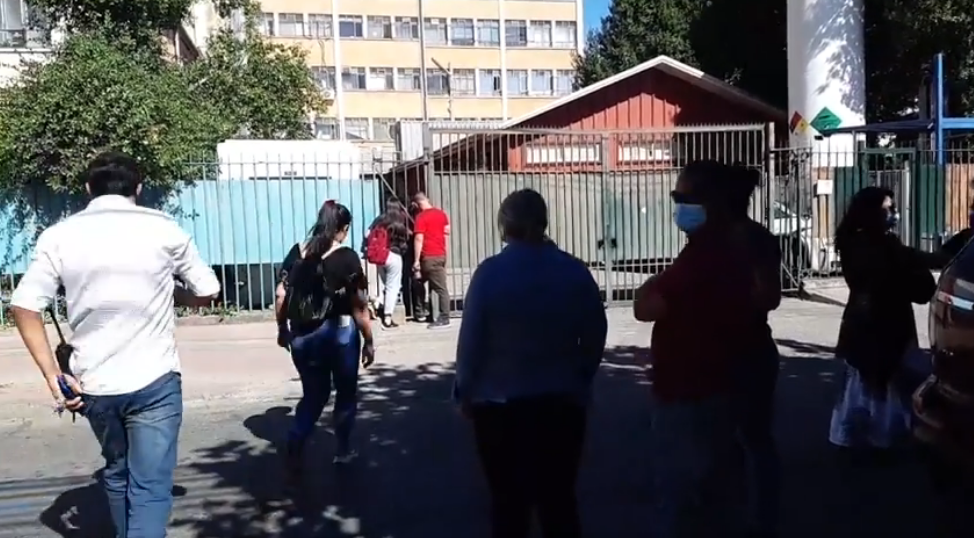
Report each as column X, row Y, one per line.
column 381, row 79
column 516, row 33
column 545, row 154
column 566, row 34
column 542, row 82
column 408, row 80
column 490, row 82
column 267, row 24
column 290, row 24
column 350, row 26
column 489, row 33
column 353, row 78
column 539, row 34
column 462, row 32
column 564, row 81
column 649, row 151
column 324, row 76
column 464, row 82
column 517, row 82
column 319, row 25
column 383, row 129
column 357, row 128
column 380, row 27
column 326, row 128
column 437, row 83
column 435, row 30
column 407, row 28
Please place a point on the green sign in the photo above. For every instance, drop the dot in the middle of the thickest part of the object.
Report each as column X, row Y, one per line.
column 825, row 120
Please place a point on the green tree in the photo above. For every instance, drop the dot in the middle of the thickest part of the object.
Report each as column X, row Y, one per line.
column 635, row 31
column 748, row 47
column 93, row 95
column 262, row 89
column 108, row 85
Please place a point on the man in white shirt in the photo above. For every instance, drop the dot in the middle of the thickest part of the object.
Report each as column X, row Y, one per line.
column 117, row 262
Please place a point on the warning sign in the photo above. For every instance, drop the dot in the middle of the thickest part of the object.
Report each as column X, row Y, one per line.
column 825, row 120
column 798, row 125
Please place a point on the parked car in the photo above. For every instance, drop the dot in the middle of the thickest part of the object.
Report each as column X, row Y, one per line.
column 801, row 252
column 944, row 403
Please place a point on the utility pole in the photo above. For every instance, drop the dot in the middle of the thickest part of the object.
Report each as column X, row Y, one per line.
column 423, row 90
column 448, row 72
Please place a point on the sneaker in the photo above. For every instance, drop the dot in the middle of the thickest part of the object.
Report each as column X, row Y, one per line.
column 442, row 322
column 387, row 323
column 421, row 317
column 344, row 457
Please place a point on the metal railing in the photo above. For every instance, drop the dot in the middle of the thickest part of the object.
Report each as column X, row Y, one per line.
column 608, row 194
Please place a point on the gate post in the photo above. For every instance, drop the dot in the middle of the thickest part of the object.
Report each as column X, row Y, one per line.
column 606, row 215
column 770, row 167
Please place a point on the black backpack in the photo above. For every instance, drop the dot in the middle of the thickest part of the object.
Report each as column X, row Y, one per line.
column 309, row 296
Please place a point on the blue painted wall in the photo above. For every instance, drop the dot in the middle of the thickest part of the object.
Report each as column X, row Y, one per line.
column 232, row 222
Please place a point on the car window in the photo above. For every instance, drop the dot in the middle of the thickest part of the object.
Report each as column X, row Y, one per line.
column 963, row 263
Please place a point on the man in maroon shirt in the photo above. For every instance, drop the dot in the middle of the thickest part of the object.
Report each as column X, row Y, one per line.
column 700, row 336
column 429, row 243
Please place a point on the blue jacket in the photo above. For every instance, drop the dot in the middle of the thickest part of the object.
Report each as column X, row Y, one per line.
column 534, row 324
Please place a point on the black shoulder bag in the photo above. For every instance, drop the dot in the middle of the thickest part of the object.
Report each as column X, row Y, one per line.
column 62, row 353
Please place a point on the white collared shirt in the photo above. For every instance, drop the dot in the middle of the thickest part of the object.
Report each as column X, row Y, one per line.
column 116, row 261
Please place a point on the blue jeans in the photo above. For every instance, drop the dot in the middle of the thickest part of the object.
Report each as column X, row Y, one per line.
column 138, row 433
column 325, row 357
column 695, row 458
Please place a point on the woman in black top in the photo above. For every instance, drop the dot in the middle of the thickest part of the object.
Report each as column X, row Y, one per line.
column 327, row 351
column 885, row 278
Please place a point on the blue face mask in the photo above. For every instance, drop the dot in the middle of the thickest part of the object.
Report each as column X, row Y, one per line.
column 689, row 217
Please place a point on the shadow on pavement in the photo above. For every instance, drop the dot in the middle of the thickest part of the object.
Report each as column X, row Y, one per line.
column 418, row 477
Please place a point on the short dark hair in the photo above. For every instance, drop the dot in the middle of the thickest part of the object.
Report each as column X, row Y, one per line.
column 523, row 215
column 113, row 172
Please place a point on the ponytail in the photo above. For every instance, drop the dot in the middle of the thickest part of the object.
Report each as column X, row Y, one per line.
column 332, row 219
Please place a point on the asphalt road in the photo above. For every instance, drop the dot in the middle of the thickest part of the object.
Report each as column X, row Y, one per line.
column 417, row 477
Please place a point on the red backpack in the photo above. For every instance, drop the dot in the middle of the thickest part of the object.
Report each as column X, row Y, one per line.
column 377, row 246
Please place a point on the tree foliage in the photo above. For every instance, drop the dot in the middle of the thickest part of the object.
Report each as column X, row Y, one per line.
column 109, row 85
column 748, row 47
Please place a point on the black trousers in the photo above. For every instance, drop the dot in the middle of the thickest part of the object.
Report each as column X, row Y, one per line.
column 530, row 451
column 433, row 270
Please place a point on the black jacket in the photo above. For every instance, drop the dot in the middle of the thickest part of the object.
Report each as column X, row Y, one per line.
column 885, row 278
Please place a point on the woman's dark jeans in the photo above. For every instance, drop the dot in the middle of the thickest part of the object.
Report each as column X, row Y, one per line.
column 756, row 434
column 325, row 357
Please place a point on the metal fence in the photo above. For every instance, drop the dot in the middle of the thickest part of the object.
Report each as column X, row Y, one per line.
column 608, row 191
column 608, row 194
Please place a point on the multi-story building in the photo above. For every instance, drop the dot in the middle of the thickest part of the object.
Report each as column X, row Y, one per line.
column 24, row 36
column 482, row 59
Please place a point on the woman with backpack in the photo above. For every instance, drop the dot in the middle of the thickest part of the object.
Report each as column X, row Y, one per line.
column 385, row 245
column 323, row 320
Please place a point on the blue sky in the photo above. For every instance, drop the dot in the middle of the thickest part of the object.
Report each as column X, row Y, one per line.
column 594, row 10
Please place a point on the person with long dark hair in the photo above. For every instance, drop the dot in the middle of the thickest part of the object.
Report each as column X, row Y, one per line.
column 323, row 320
column 703, row 307
column 531, row 341
column 885, row 278
column 394, row 222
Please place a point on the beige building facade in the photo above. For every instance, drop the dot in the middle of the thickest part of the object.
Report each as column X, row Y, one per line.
column 484, row 59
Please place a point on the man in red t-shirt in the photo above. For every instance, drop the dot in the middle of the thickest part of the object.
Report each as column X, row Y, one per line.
column 429, row 244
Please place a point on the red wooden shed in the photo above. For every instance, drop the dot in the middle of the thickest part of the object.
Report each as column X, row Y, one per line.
column 653, row 115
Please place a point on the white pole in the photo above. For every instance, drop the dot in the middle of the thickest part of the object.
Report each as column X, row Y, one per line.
column 826, row 81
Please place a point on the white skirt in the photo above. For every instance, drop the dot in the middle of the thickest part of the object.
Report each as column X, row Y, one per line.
column 863, row 420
